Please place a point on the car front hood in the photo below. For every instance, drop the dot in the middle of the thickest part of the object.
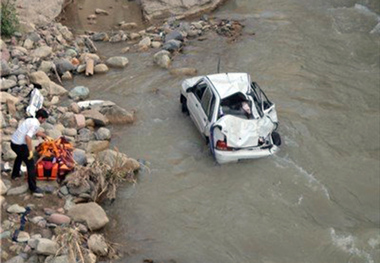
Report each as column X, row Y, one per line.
column 241, row 133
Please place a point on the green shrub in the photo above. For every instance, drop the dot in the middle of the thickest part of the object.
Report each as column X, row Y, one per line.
column 9, row 19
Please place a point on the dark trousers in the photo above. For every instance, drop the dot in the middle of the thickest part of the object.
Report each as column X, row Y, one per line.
column 22, row 156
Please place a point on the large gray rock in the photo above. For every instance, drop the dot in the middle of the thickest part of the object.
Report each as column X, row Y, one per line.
column 22, row 189
column 90, row 213
column 103, row 134
column 172, row 45
column 117, row 62
column 7, row 84
column 7, row 153
column 167, row 8
column 117, row 115
column 79, row 156
column 62, row 65
column 4, row 70
column 46, row 247
column 79, row 93
column 16, row 259
column 162, row 59
column 96, row 116
column 112, row 157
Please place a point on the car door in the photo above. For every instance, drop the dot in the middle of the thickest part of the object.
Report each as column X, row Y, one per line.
column 200, row 105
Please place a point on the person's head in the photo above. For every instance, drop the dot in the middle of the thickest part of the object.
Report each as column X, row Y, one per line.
column 42, row 115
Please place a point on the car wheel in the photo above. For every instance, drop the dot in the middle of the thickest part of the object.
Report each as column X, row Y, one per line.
column 183, row 104
column 276, row 138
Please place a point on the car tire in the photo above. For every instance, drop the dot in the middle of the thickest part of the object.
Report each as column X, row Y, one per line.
column 183, row 104
column 276, row 138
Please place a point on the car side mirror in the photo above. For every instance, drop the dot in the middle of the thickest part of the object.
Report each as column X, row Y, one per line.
column 191, row 89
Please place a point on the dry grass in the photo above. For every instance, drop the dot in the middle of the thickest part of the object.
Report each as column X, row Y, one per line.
column 71, row 242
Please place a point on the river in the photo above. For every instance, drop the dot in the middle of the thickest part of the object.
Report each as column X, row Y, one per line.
column 318, row 200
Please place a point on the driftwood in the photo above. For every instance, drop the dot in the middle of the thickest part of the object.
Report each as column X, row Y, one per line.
column 89, row 67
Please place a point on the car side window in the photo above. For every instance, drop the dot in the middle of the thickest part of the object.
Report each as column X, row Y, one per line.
column 206, row 102
column 200, row 89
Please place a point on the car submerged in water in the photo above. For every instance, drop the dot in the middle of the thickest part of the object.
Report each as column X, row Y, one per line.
column 233, row 114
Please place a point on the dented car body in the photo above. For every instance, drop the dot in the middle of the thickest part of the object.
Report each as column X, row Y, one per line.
column 233, row 114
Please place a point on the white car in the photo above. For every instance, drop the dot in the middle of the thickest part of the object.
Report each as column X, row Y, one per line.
column 233, row 114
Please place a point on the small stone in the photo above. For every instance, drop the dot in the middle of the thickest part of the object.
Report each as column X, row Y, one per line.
column 67, row 76
column 23, row 236
column 16, row 209
column 101, row 68
column 58, row 219
column 101, row 11
column 117, row 62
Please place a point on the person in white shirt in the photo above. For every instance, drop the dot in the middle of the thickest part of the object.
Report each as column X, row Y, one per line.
column 21, row 144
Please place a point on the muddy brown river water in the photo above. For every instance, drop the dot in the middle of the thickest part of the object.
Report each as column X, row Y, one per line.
column 318, row 200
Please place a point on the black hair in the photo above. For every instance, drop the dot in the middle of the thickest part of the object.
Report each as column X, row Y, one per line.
column 42, row 113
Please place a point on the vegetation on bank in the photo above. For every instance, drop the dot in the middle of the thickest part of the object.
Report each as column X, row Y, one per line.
column 9, row 19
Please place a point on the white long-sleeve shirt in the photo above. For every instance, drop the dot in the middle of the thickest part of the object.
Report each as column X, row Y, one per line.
column 28, row 127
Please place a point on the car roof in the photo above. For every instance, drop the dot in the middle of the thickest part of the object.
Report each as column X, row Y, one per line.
column 227, row 84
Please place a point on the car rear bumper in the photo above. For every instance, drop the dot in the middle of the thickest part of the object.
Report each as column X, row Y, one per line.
column 234, row 156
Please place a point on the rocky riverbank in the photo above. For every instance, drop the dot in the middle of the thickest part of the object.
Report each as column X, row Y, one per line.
column 61, row 225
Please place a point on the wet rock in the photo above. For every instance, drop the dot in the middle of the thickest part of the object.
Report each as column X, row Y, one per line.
column 172, row 45
column 7, row 153
column 117, row 115
column 42, row 52
column 162, row 59
column 96, row 116
column 79, row 156
column 102, row 36
column 90, row 213
column 184, row 71
column 58, row 219
column 128, row 26
column 5, row 70
column 79, row 93
column 16, row 209
column 6, row 84
column 118, row 62
column 46, row 247
column 101, row 68
column 99, row 11
column 62, row 65
column 22, row 189
column 103, row 134
column 112, row 157
column 97, row 244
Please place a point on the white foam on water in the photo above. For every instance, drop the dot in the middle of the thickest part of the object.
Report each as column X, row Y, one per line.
column 313, row 182
column 347, row 244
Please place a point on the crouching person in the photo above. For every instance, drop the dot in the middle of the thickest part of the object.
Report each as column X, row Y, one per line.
column 21, row 144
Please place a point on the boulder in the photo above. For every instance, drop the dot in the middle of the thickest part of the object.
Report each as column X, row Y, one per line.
column 101, row 68
column 22, row 189
column 42, row 52
column 169, row 8
column 112, row 157
column 39, row 77
column 79, row 93
column 79, row 156
column 16, row 209
column 103, row 134
column 117, row 115
column 58, row 219
column 4, row 96
column 16, row 259
column 184, row 71
column 7, row 153
column 96, row 116
column 102, row 36
column 162, row 59
column 62, row 65
column 68, row 120
column 117, row 62
column 97, row 244
column 90, row 213
column 6, row 84
column 46, row 247
column 70, row 132
column 96, row 146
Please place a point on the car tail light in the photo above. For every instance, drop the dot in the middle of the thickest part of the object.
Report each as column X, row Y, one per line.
column 222, row 146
